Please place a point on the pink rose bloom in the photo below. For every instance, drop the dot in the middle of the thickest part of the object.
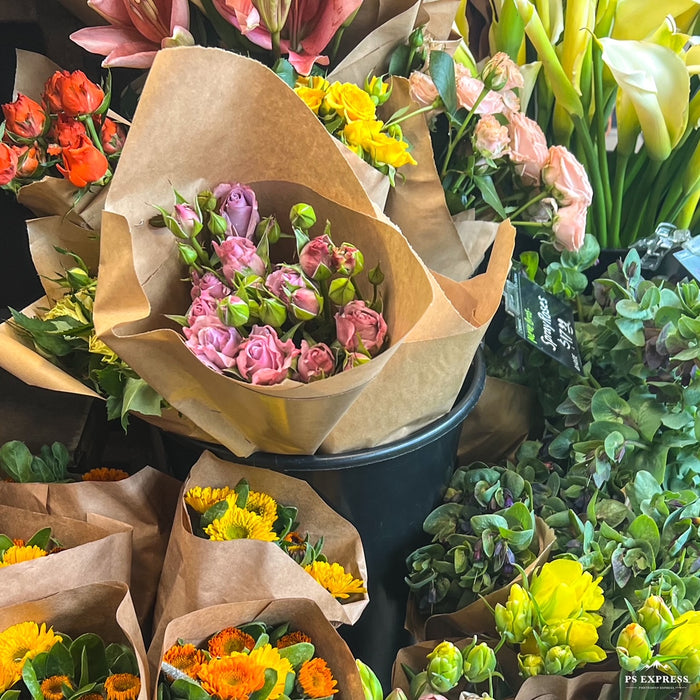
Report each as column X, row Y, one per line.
column 238, row 205
column 315, row 362
column 317, row 253
column 567, row 177
column 210, row 284
column 490, row 137
column 203, row 305
column 569, row 226
column 528, row 147
column 359, row 327
column 263, row 359
column 511, row 102
column 355, row 359
column 422, row 88
column 212, row 342
column 468, row 91
column 238, row 254
column 187, row 217
column 284, row 279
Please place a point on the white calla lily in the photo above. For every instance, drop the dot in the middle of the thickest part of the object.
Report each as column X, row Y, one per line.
column 656, row 82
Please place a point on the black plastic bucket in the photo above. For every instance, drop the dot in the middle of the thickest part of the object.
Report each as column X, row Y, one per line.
column 386, row 492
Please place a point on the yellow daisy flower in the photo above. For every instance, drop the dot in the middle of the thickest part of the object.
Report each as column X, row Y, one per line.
column 24, row 641
column 7, row 677
column 240, row 524
column 202, row 499
column 263, row 505
column 335, row 580
column 268, row 657
column 18, row 554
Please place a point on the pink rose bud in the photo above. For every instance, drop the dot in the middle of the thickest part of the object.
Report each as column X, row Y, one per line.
column 284, row 280
column 203, row 305
column 238, row 205
column 305, row 303
column 209, row 283
column 315, row 362
column 187, row 218
column 233, row 311
column 569, row 226
column 316, row 258
column 567, row 177
column 501, row 73
column 422, row 89
column 528, row 147
column 212, row 342
column 355, row 359
column 490, row 137
column 468, row 91
column 272, row 312
column 263, row 359
column 347, row 260
column 238, row 254
column 360, row 328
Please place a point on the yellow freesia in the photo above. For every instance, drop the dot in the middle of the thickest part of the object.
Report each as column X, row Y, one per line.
column 636, row 19
column 655, row 80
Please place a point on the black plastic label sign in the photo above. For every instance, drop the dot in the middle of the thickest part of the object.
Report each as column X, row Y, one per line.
column 543, row 320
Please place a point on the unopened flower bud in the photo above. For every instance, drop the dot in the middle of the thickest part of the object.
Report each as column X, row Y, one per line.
column 188, row 253
column 217, row 225
column 656, row 618
column 530, row 665
column 396, row 694
column 560, row 661
column 355, row 359
column 188, row 219
column 270, row 228
column 206, row 200
column 316, row 258
column 419, row 685
column 633, row 648
column 514, row 620
column 479, row 662
column 395, row 131
column 305, row 303
column 272, row 312
column 302, row 216
column 233, row 311
column 78, row 278
column 501, row 72
column 416, row 38
column 444, row 668
column 378, row 90
column 376, row 276
column 347, row 260
column 341, row 291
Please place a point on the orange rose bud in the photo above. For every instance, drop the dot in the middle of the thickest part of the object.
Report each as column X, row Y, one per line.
column 84, row 164
column 67, row 131
column 27, row 160
column 112, row 137
column 72, row 93
column 24, row 118
column 8, row 164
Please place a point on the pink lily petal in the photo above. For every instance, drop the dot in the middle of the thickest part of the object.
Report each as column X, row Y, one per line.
column 104, row 40
column 305, row 62
column 242, row 14
column 114, row 11
column 179, row 15
column 131, row 56
column 333, row 14
column 149, row 18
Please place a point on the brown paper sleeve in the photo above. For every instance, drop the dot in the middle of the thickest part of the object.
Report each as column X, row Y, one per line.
column 592, row 685
column 103, row 608
column 198, row 573
column 302, row 614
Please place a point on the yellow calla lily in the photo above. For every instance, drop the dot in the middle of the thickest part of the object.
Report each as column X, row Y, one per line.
column 636, row 19
column 667, row 34
column 692, row 59
column 551, row 13
column 656, row 82
column 461, row 20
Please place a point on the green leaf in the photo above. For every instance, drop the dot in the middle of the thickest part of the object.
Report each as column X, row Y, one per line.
column 631, row 309
column 648, row 418
column 31, row 681
column 270, row 681
column 632, row 330
column 88, row 652
column 443, row 520
column 298, row 653
column 642, row 489
column 10, row 695
column 121, row 659
column 607, row 405
column 284, row 69
column 489, row 194
column 442, row 71
column 614, row 446
column 613, row 512
column 16, row 461
column 188, row 690
column 213, row 513
column 399, row 60
column 40, row 539
column 488, row 521
column 141, row 398
column 530, row 261
column 5, row 544
column 644, row 528
column 59, row 661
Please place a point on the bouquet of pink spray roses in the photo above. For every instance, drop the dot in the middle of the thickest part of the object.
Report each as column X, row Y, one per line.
column 264, row 322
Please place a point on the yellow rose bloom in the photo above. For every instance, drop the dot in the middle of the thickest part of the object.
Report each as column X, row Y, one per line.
column 367, row 136
column 314, row 82
column 312, row 97
column 67, row 307
column 349, row 101
column 97, row 347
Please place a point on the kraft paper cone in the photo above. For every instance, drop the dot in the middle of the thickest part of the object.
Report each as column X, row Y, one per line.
column 144, row 501
column 592, row 685
column 140, row 274
column 438, row 353
column 95, row 551
column 103, row 608
column 303, row 615
column 197, row 572
column 476, row 618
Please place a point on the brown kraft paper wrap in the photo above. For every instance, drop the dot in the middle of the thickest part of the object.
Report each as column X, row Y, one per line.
column 591, row 685
column 17, row 354
column 303, row 615
column 102, row 608
column 197, row 572
column 145, row 501
column 475, row 618
column 95, row 551
column 140, row 271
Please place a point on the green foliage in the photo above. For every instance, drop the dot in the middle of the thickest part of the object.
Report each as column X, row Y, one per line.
column 49, row 466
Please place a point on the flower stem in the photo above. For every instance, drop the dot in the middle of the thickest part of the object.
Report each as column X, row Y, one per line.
column 93, row 132
column 534, row 200
column 618, row 191
column 460, row 133
column 600, row 124
column 403, row 118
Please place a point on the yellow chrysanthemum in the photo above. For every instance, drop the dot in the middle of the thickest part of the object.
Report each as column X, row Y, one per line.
column 7, row 677
column 52, row 687
column 230, row 641
column 335, row 579
column 105, row 474
column 123, row 686
column 186, row 658
column 19, row 554
column 232, row 677
column 202, row 499
column 240, row 524
column 263, row 505
column 316, row 679
column 268, row 657
column 315, row 82
column 24, row 641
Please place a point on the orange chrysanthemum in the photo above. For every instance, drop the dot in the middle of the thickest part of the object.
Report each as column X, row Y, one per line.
column 230, row 640
column 52, row 687
column 18, row 542
column 293, row 638
column 335, row 579
column 105, row 474
column 186, row 658
column 17, row 555
column 123, row 686
column 316, row 679
column 232, row 677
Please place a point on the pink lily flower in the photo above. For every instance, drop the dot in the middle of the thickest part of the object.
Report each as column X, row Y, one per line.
column 137, row 30
column 310, row 26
